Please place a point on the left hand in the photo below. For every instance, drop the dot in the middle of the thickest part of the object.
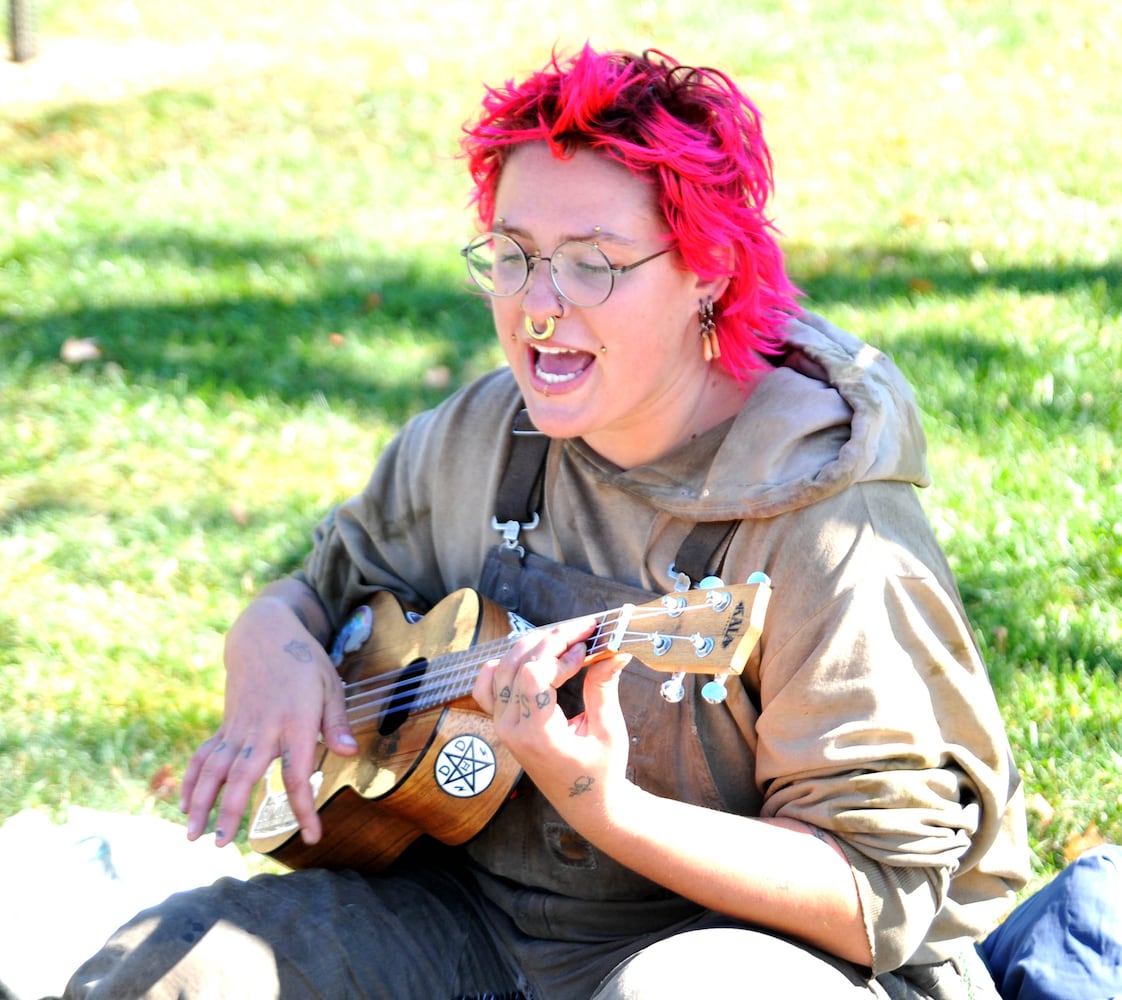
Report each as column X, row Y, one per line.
column 577, row 763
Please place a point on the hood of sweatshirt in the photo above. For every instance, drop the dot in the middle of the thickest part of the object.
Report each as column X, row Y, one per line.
column 834, row 413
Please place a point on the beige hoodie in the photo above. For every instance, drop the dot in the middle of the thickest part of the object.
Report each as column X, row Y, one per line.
column 876, row 720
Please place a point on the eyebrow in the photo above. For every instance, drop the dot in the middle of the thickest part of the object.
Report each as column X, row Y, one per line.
column 588, row 236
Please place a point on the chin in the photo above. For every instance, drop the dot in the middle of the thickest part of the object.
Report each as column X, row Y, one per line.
column 553, row 417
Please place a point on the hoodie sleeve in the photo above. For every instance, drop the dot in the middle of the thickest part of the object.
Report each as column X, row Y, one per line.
column 422, row 523
column 879, row 725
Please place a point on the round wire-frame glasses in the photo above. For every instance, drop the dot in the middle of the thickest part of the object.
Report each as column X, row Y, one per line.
column 581, row 272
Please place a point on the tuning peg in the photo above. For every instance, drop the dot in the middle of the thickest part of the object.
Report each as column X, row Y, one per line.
column 715, row 691
column 673, row 689
column 710, row 583
column 702, row 644
column 674, row 605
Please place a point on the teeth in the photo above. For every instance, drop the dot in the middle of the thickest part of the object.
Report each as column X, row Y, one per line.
column 553, row 378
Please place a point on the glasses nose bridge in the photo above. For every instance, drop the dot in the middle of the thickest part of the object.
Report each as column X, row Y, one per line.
column 532, row 262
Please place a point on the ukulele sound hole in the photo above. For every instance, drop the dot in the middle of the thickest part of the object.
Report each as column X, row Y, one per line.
column 404, row 698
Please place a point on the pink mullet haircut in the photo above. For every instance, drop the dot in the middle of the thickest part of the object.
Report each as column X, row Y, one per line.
column 695, row 135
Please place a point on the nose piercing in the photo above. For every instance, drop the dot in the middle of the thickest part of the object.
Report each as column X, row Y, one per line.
column 535, row 333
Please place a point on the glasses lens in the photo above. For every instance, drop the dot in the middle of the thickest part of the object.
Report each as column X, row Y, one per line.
column 497, row 264
column 582, row 273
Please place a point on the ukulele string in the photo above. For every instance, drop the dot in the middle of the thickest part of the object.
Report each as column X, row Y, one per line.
column 450, row 675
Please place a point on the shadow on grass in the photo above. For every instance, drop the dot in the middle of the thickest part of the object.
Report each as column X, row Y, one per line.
column 351, row 335
column 866, row 274
column 366, row 334
column 978, row 379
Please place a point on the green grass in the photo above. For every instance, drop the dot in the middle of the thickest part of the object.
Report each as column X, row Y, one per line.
column 265, row 252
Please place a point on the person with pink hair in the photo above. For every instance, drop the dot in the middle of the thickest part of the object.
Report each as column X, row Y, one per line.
column 736, row 739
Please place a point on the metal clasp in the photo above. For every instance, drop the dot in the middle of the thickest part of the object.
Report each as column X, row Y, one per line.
column 512, row 529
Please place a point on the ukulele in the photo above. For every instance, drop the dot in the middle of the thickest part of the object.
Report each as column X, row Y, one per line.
column 429, row 761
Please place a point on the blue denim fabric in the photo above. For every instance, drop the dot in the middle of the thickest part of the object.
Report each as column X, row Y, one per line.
column 1064, row 942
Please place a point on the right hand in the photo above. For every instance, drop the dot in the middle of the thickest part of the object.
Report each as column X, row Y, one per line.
column 282, row 693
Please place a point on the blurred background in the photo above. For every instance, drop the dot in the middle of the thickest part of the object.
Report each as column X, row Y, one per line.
column 229, row 270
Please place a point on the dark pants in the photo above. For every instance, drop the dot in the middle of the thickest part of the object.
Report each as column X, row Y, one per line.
column 429, row 934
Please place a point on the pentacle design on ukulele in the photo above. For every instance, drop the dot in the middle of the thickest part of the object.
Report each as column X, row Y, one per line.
column 465, row 766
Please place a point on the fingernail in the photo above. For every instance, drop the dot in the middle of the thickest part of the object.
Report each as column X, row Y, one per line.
column 348, row 741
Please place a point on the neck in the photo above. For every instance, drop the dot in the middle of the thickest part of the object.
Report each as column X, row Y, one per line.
column 682, row 419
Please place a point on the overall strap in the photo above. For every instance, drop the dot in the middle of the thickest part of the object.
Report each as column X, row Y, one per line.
column 520, row 490
column 702, row 553
column 516, row 510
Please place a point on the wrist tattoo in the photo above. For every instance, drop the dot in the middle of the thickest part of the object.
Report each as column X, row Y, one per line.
column 299, row 651
column 581, row 785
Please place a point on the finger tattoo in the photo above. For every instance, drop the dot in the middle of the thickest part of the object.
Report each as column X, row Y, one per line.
column 504, row 695
column 543, row 699
column 524, row 702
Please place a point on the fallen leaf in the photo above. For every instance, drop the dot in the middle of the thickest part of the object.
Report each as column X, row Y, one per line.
column 75, row 350
column 1081, row 843
column 163, row 783
column 438, row 377
column 1042, row 807
column 1000, row 638
column 921, row 286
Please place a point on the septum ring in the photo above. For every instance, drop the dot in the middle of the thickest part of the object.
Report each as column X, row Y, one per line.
column 535, row 333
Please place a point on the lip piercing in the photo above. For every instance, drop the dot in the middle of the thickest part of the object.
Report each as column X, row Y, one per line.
column 535, row 333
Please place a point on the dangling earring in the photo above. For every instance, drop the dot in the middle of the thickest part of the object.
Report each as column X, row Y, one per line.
column 710, row 349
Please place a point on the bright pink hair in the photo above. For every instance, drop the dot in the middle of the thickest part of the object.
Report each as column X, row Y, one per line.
column 689, row 130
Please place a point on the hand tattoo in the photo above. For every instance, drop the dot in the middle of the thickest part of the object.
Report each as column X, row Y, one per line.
column 299, row 650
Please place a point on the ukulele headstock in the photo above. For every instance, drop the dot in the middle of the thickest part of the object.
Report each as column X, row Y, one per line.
column 709, row 631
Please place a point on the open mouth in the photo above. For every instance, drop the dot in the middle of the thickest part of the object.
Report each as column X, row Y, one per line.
column 558, row 365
